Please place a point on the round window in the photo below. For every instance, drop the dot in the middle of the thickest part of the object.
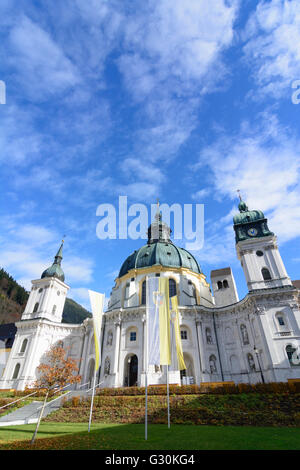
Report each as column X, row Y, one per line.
column 259, row 253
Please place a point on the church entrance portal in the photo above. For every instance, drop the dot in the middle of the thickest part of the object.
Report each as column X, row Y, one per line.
column 131, row 370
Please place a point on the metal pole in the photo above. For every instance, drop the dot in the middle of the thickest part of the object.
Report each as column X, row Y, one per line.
column 146, row 408
column 40, row 417
column 146, row 358
column 92, row 401
column 168, row 396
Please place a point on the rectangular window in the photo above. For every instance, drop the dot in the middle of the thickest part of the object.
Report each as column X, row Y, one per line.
column 280, row 321
column 133, row 336
column 183, row 334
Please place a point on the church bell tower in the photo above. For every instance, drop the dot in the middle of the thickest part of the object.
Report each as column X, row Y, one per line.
column 257, row 250
column 48, row 294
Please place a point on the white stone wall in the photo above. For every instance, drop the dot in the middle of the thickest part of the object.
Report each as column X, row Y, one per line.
column 50, row 295
column 253, row 264
column 243, row 342
column 224, row 287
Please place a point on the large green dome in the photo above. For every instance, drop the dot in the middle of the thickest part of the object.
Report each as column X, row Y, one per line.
column 159, row 251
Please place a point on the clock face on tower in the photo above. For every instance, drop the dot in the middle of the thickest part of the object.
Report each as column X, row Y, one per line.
column 252, row 232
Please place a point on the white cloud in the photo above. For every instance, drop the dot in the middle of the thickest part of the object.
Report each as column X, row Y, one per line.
column 201, row 194
column 272, row 48
column 20, row 143
column 264, row 163
column 138, row 191
column 26, row 251
column 40, row 62
column 137, row 169
column 173, row 57
column 78, row 269
column 175, row 39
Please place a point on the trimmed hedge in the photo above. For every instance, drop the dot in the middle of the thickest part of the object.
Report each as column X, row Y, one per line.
column 256, row 409
column 276, row 387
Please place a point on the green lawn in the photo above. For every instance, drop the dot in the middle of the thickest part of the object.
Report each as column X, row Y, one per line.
column 70, row 436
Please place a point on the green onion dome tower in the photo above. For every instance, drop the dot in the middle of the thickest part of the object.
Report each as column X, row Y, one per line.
column 55, row 270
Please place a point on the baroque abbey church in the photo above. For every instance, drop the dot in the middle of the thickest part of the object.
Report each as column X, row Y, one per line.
column 252, row 340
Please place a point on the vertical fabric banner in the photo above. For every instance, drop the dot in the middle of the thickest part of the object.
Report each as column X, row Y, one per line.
column 158, row 330
column 176, row 346
column 97, row 302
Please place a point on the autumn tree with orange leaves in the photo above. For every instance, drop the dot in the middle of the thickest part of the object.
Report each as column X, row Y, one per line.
column 57, row 370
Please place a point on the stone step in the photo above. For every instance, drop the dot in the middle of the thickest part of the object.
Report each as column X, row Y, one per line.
column 30, row 413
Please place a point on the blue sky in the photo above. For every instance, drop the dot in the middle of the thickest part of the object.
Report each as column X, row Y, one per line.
column 182, row 101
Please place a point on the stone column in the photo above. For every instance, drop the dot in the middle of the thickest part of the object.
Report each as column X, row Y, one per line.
column 201, row 349
column 117, row 346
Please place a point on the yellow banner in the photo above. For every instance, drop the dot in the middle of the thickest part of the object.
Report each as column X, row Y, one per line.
column 164, row 322
column 97, row 302
column 175, row 322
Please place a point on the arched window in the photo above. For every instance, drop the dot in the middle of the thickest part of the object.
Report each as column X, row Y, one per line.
column 36, row 307
column 225, row 283
column 220, row 285
column 266, row 274
column 172, row 287
column 292, row 355
column 16, row 371
column 24, row 345
column 143, row 302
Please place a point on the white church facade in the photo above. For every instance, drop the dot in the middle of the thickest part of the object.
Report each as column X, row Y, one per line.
column 252, row 340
